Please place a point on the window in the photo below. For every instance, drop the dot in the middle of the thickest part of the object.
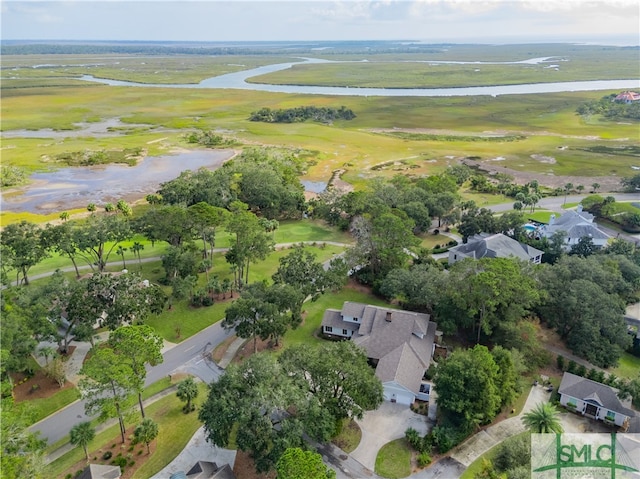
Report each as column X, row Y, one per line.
column 611, row 416
column 572, row 403
column 328, row 329
column 344, row 331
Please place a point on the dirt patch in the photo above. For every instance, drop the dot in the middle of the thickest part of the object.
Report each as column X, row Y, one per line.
column 136, row 455
column 248, row 350
column 39, row 386
column 607, row 183
column 245, row 468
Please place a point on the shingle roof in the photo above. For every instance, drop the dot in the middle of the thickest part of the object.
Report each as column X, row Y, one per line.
column 485, row 245
column 403, row 366
column 210, row 470
column 586, row 389
column 333, row 318
column 401, row 341
column 379, row 336
column 99, row 471
column 576, row 224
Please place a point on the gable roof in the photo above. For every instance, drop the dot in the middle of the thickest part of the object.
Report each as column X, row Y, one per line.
column 210, row 470
column 384, row 329
column 486, row 245
column 333, row 318
column 588, row 390
column 576, row 224
column 99, row 471
column 400, row 366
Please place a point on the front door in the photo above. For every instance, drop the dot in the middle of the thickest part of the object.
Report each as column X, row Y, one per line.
column 591, row 410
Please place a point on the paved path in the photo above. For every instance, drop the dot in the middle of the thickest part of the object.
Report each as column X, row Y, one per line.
column 385, row 424
column 479, row 443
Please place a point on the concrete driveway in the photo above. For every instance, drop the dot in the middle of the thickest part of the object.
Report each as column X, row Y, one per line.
column 198, row 449
column 388, row 422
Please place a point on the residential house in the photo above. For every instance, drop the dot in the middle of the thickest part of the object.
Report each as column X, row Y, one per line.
column 486, row 245
column 206, row 470
column 98, row 471
column 597, row 401
column 627, row 97
column 399, row 344
column 575, row 225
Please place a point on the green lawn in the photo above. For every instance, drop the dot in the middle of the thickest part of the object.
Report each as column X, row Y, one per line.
column 628, row 367
column 175, row 430
column 349, row 436
column 541, row 216
column 394, row 459
column 44, row 407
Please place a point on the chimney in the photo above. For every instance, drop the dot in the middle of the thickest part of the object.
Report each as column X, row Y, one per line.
column 388, row 318
column 552, row 219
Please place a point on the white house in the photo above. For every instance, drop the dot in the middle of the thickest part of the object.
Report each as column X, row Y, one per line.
column 486, row 245
column 595, row 400
column 398, row 343
column 575, row 225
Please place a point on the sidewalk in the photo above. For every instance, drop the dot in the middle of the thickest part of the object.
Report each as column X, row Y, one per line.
column 61, row 451
column 231, row 351
column 479, row 443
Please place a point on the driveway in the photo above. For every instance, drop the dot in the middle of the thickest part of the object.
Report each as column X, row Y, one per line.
column 198, row 449
column 388, row 422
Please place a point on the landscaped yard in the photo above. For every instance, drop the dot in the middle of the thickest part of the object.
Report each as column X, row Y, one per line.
column 175, row 430
column 394, row 459
column 628, row 367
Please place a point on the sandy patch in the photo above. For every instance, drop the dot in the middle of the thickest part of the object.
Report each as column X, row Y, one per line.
column 544, row 159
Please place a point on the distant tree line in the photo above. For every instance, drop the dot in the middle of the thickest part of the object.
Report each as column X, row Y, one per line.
column 302, row 113
column 611, row 109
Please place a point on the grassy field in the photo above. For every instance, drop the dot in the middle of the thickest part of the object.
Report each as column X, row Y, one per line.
column 628, row 367
column 394, row 459
column 548, row 123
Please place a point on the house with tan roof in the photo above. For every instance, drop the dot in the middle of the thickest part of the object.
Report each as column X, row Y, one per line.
column 597, row 401
column 398, row 343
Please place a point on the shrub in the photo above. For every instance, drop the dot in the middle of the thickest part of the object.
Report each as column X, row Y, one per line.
column 572, row 366
column 424, row 459
column 107, row 455
column 413, row 438
column 131, row 463
column 560, row 362
column 139, row 452
column 68, row 476
column 120, row 461
column 513, row 453
column 78, row 472
column 581, row 370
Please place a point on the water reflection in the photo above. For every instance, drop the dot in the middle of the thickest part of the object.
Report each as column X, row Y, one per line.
column 70, row 188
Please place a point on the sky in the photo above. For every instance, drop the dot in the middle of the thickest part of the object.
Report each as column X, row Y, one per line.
column 614, row 22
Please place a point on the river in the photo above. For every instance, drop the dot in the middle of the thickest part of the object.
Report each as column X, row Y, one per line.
column 238, row 80
column 75, row 187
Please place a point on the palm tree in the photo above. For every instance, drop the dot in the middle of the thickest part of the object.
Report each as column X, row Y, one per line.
column 81, row 435
column 136, row 247
column 543, row 419
column 145, row 432
column 187, row 391
column 567, row 188
column 595, row 186
column 121, row 251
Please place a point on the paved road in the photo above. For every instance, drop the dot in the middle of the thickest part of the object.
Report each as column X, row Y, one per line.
column 188, row 356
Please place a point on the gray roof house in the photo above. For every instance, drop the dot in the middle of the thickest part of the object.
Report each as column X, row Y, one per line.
column 206, row 470
column 398, row 343
column 486, row 245
column 99, row 471
column 576, row 225
column 597, row 401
